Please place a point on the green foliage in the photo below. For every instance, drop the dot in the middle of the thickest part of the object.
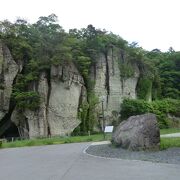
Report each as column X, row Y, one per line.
column 160, row 107
column 29, row 100
column 168, row 66
column 87, row 115
column 165, row 142
column 134, row 107
column 83, row 65
column 169, row 142
column 126, row 70
column 170, row 131
column 82, row 115
column 54, row 140
column 40, row 45
column 144, row 88
column 93, row 101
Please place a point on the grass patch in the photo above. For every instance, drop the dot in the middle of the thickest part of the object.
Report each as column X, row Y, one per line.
column 169, row 142
column 55, row 140
column 169, row 131
column 165, row 142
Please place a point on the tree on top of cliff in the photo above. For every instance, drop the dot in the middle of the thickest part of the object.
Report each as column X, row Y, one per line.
column 45, row 43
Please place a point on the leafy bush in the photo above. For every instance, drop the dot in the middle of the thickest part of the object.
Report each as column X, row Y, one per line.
column 144, row 88
column 30, row 99
column 161, row 108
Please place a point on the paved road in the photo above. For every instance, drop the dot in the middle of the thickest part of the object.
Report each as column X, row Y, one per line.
column 68, row 162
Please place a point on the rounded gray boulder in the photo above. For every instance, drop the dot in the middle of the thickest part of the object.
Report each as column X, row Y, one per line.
column 139, row 132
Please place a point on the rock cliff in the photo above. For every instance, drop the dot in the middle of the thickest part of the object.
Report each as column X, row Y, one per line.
column 34, row 123
column 60, row 98
column 111, row 85
column 8, row 72
column 62, row 92
column 67, row 86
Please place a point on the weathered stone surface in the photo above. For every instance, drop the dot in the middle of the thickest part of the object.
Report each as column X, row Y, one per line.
column 37, row 120
column 110, row 84
column 20, row 120
column 138, row 133
column 34, row 123
column 63, row 91
column 8, row 72
column 61, row 96
column 66, row 89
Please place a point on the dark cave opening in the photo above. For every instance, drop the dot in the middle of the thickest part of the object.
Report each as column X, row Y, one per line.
column 12, row 131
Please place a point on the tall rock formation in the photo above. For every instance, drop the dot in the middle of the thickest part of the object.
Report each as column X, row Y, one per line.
column 34, row 123
column 110, row 83
column 67, row 87
column 8, row 72
column 61, row 93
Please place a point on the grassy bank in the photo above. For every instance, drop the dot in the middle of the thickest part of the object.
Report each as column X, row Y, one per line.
column 169, row 142
column 55, row 140
column 165, row 142
column 169, row 131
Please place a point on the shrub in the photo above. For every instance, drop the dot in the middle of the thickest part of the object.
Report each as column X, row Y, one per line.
column 30, row 100
column 161, row 108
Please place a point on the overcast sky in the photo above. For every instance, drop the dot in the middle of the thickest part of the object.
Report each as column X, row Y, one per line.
column 151, row 23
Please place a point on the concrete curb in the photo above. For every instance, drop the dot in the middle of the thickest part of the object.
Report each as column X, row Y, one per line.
column 100, row 143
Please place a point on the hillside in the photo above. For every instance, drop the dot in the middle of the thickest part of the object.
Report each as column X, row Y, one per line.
column 54, row 82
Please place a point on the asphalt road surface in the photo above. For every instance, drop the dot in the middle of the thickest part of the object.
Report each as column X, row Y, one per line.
column 68, row 162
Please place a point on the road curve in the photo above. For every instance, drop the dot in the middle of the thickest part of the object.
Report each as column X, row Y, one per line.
column 68, row 162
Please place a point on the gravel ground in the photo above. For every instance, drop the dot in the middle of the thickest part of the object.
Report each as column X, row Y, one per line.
column 171, row 155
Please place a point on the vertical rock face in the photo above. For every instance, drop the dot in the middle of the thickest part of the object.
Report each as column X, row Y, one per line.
column 66, row 89
column 110, row 84
column 8, row 72
column 60, row 99
column 34, row 123
column 62, row 91
column 37, row 120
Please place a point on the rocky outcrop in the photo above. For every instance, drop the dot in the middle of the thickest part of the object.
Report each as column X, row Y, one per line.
column 61, row 92
column 138, row 133
column 34, row 123
column 66, row 89
column 110, row 84
column 8, row 72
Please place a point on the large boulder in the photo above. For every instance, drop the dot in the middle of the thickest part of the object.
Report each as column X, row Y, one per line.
column 138, row 133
